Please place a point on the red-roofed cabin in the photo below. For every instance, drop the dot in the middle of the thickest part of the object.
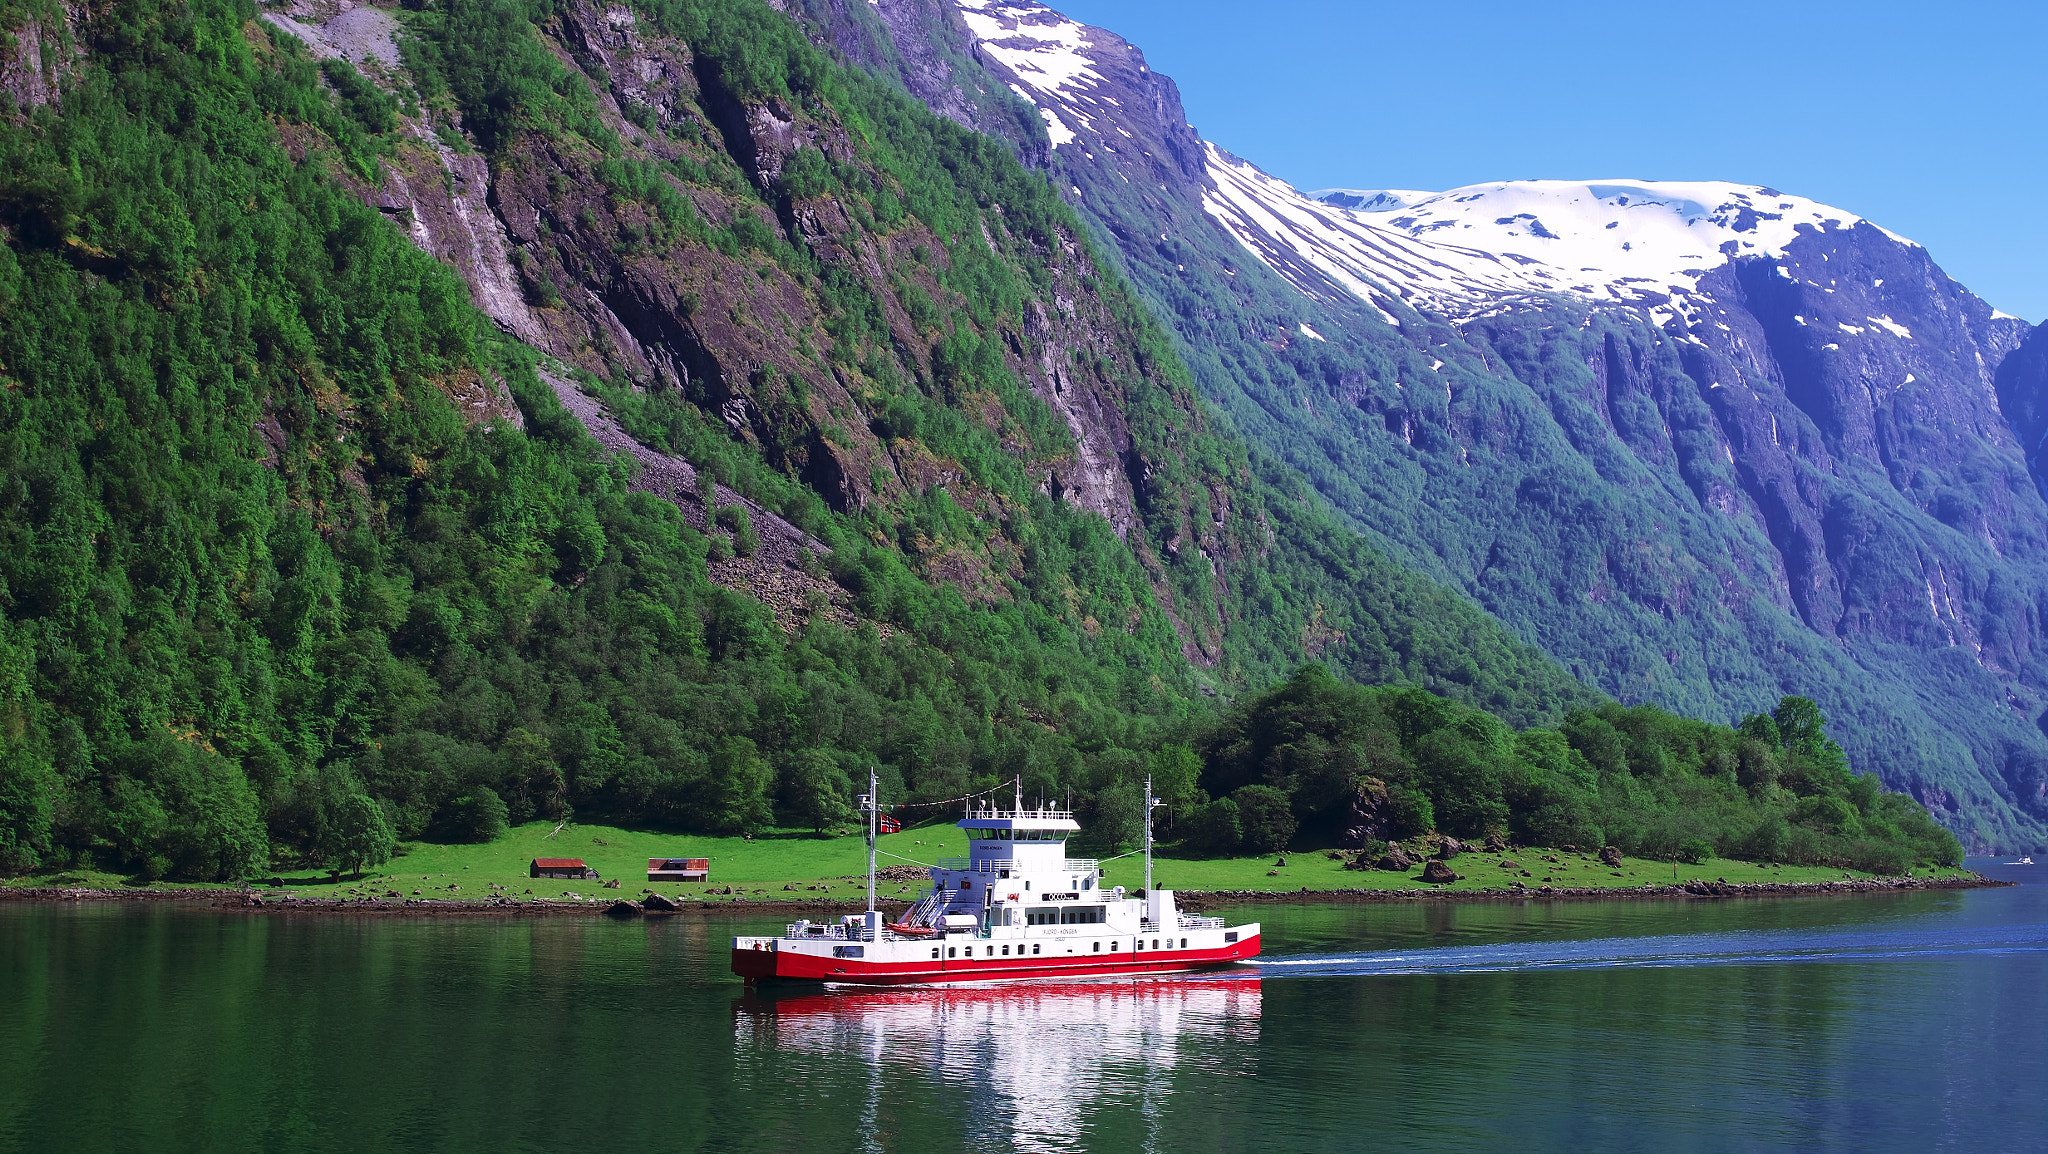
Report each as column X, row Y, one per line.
column 572, row 868
column 678, row 869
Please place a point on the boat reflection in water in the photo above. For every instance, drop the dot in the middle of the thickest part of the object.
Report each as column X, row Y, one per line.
column 1043, row 1064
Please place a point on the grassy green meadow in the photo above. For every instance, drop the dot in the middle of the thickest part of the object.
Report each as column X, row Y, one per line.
column 798, row 866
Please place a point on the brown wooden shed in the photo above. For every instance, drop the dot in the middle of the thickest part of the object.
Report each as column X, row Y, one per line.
column 571, row 868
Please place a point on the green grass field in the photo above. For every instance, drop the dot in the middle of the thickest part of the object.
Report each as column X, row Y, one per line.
column 801, row 867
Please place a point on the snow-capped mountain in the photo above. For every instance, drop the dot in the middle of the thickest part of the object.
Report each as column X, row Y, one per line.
column 1477, row 249
column 1704, row 442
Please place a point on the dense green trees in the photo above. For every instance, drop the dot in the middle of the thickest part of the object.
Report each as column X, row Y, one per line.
column 1391, row 763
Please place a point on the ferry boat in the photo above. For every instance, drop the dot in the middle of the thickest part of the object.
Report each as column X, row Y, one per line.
column 1015, row 908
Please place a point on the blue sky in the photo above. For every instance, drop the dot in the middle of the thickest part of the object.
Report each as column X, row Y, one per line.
column 1927, row 118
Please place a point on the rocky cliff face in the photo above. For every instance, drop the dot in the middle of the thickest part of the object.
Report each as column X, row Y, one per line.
column 748, row 257
column 1705, row 444
column 560, row 260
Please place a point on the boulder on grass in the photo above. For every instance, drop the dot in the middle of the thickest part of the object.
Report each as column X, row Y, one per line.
column 1437, row 873
column 1451, row 848
column 656, row 904
column 1495, row 843
column 1610, row 856
column 1396, row 860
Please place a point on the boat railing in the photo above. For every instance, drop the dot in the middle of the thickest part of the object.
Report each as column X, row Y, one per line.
column 988, row 866
column 1196, row 922
column 986, row 813
column 826, row 932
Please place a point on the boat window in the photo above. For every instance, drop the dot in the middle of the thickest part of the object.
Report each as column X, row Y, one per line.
column 1141, row 943
column 952, row 951
column 1006, row 951
column 1034, row 949
column 1183, row 943
column 1098, row 947
column 935, row 951
column 965, row 884
column 1003, row 835
column 1229, row 937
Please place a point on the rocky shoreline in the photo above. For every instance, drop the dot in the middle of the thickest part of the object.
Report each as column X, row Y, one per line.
column 251, row 900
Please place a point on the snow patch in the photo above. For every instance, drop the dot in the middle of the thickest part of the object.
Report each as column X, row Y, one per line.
column 1056, row 129
column 1310, row 333
column 1891, row 326
column 1041, row 47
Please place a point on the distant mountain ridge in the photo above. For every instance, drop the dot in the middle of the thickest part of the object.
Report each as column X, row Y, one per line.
column 1645, row 244
column 1739, row 443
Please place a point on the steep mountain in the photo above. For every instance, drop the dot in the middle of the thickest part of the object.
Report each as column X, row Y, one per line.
column 1704, row 443
column 431, row 417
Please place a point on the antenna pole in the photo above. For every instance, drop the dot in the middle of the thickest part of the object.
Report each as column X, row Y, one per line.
column 1150, row 801
column 871, row 799
column 1020, row 793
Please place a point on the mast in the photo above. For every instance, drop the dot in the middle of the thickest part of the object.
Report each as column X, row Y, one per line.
column 1150, row 801
column 871, row 800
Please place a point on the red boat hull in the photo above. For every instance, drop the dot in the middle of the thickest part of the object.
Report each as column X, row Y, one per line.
column 776, row 965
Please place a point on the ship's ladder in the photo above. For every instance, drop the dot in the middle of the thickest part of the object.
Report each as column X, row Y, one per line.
column 925, row 912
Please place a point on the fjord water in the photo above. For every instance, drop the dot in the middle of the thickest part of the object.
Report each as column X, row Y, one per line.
column 1909, row 1021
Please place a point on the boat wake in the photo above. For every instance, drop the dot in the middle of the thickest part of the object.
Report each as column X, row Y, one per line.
column 1758, row 948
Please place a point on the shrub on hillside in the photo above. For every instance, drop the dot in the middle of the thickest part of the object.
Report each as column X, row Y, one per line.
column 477, row 816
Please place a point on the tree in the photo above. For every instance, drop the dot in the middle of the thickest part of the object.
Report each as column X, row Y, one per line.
column 1799, row 723
column 1267, row 820
column 1119, row 816
column 533, row 775
column 477, row 816
column 1214, row 828
column 815, row 790
column 226, row 827
column 1176, row 771
column 356, row 836
column 27, row 786
column 740, row 779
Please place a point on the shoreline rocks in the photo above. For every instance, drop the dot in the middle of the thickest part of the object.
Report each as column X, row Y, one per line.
column 1192, row 900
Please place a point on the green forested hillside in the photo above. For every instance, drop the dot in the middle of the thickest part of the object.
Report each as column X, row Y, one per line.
column 298, row 552
column 1385, row 764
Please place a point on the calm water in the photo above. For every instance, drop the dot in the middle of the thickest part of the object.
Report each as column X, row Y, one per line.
column 1904, row 1022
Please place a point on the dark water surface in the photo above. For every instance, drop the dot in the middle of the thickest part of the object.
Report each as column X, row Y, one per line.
column 1908, row 1022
